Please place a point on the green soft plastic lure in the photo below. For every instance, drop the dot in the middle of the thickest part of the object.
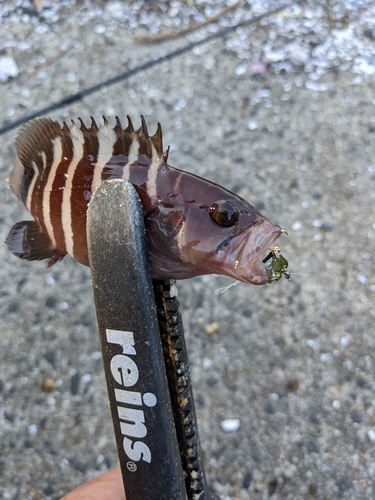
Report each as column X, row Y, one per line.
column 277, row 265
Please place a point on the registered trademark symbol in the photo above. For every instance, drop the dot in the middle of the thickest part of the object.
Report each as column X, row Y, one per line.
column 131, row 466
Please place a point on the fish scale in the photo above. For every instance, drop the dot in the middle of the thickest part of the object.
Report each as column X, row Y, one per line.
column 193, row 225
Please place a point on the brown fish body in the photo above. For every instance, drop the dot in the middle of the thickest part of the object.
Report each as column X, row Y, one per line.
column 193, row 226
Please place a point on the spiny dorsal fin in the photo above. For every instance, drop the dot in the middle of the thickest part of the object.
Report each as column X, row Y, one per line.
column 144, row 130
column 157, row 141
column 148, row 145
column 35, row 136
column 130, row 127
column 94, row 125
column 145, row 146
column 166, row 154
column 34, row 143
column 83, row 126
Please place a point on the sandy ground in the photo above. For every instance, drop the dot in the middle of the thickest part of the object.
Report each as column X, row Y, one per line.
column 292, row 361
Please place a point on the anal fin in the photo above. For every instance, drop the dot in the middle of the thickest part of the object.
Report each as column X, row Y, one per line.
column 27, row 241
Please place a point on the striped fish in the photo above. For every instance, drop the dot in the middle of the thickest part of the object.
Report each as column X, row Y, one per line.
column 193, row 226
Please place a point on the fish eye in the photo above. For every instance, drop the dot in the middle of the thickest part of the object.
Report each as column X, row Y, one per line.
column 224, row 213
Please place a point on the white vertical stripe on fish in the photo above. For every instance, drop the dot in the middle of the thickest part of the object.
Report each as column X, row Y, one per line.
column 31, row 187
column 154, row 153
column 132, row 158
column 66, row 211
column 57, row 157
column 106, row 139
column 152, row 174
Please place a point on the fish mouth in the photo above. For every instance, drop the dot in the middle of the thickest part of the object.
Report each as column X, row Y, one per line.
column 246, row 252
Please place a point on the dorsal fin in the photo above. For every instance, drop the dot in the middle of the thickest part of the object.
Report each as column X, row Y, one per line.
column 166, row 154
column 145, row 145
column 130, row 127
column 157, row 141
column 34, row 143
column 83, row 126
column 150, row 146
column 144, row 130
column 36, row 135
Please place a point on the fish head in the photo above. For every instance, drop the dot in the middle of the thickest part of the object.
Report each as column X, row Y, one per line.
column 206, row 229
column 237, row 250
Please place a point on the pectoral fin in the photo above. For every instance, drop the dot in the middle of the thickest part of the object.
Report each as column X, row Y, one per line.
column 27, row 241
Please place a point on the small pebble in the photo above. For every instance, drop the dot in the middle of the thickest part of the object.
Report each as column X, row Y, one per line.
column 296, row 226
column 86, row 378
column 48, row 384
column 318, row 87
column 64, row 463
column 71, row 77
column 209, row 63
column 298, row 57
column 367, row 68
column 32, row 429
column 99, row 29
column 345, row 341
column 230, row 424
column 369, row 33
column 326, row 357
column 240, row 70
column 8, row 68
column 322, row 225
column 362, row 279
column 180, row 104
column 292, row 384
column 247, row 479
column 207, row 363
column 212, row 328
column 252, row 125
column 257, row 69
column 314, row 344
column 317, row 223
column 263, row 93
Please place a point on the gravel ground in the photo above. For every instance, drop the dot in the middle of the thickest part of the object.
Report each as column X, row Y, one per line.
column 281, row 112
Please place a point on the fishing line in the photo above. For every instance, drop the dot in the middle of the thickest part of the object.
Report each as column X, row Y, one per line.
column 142, row 67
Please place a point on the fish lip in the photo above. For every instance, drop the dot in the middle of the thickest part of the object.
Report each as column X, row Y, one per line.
column 243, row 260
